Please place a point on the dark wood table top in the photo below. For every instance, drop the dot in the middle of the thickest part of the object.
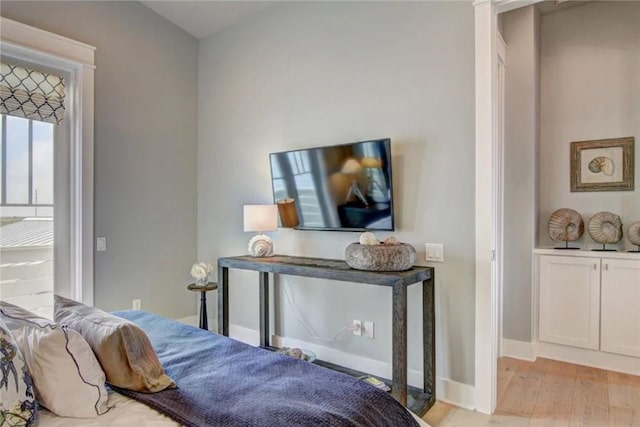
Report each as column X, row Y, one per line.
column 326, row 269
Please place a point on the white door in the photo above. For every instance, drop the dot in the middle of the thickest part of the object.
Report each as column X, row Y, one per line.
column 620, row 311
column 569, row 301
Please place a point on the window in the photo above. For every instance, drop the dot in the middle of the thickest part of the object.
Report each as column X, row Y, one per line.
column 26, row 166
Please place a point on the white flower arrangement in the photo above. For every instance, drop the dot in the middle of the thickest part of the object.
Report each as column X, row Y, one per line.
column 200, row 271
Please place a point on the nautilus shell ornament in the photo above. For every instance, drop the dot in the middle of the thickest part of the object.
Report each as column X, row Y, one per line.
column 261, row 245
column 565, row 225
column 633, row 234
column 602, row 164
column 605, row 227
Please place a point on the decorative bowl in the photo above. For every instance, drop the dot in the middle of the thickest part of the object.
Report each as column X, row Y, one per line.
column 398, row 257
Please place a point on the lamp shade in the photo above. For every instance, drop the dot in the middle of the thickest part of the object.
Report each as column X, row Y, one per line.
column 260, row 218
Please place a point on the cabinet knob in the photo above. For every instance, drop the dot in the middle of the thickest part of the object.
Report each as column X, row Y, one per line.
column 595, row 266
column 606, row 267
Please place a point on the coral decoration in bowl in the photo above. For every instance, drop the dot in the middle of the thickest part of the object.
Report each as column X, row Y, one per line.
column 200, row 272
column 372, row 255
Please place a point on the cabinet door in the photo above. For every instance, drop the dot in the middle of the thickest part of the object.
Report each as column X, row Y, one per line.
column 569, row 301
column 620, row 324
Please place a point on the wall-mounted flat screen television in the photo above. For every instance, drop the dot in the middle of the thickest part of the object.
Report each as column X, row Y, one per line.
column 344, row 187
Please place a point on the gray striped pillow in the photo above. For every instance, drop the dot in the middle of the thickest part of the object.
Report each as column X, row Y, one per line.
column 123, row 349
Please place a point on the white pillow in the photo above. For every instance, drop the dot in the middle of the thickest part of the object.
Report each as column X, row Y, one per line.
column 67, row 376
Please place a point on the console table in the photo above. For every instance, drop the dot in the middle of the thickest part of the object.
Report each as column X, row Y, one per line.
column 339, row 270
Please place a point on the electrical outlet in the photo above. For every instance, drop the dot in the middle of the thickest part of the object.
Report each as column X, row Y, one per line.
column 137, row 303
column 356, row 327
column 101, row 244
column 368, row 329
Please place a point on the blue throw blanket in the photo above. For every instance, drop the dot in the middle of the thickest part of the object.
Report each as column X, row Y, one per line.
column 223, row 382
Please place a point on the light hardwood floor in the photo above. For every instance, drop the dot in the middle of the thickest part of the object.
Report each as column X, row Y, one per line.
column 549, row 393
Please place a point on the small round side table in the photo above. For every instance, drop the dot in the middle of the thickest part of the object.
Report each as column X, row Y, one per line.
column 203, row 300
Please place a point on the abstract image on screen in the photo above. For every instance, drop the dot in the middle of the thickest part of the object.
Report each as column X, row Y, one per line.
column 342, row 187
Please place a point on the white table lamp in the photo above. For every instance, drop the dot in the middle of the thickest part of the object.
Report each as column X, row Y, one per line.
column 260, row 218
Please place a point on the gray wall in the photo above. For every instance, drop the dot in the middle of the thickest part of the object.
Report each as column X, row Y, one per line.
column 590, row 89
column 145, row 147
column 309, row 74
column 520, row 30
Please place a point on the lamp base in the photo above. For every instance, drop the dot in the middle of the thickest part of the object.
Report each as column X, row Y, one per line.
column 261, row 245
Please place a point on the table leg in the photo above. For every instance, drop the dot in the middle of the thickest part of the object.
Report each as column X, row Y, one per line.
column 399, row 344
column 429, row 336
column 223, row 300
column 204, row 323
column 264, row 309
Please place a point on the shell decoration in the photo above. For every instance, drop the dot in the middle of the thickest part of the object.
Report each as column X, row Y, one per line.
column 261, row 245
column 633, row 234
column 390, row 241
column 602, row 164
column 368, row 238
column 565, row 225
column 605, row 227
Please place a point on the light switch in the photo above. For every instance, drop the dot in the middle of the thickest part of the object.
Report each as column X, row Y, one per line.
column 101, row 244
column 434, row 252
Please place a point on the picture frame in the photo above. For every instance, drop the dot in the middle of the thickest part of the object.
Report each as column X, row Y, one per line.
column 603, row 165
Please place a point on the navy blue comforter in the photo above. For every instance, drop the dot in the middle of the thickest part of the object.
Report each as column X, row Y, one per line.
column 223, row 382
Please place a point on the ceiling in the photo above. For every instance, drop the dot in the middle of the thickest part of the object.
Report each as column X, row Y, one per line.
column 550, row 6
column 203, row 18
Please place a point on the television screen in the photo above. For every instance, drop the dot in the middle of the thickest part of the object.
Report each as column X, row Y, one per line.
column 342, row 187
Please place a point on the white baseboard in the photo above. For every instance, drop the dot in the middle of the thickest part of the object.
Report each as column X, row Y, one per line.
column 348, row 360
column 190, row 320
column 518, row 349
column 455, row 393
column 246, row 335
column 579, row 356
column 449, row 391
column 195, row 321
column 596, row 359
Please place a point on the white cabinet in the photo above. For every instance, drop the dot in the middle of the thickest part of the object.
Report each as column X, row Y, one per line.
column 620, row 307
column 590, row 300
column 570, row 301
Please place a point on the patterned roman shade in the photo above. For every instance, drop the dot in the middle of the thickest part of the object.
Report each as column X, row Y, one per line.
column 31, row 94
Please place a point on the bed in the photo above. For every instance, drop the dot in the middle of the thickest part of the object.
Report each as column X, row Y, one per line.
column 223, row 382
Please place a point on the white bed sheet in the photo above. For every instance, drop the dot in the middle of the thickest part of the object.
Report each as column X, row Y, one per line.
column 126, row 412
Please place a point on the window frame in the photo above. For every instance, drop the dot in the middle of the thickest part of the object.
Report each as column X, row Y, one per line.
column 73, row 164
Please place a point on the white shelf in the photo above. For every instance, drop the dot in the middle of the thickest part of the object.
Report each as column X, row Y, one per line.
column 586, row 253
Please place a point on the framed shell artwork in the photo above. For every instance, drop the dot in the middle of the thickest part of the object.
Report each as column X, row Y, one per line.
column 603, row 165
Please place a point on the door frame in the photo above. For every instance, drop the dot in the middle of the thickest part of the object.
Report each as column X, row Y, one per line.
column 488, row 208
column 74, row 237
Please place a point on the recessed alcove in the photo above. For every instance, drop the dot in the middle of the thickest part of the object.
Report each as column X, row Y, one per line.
column 571, row 75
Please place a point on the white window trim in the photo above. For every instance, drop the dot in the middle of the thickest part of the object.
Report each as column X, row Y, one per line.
column 28, row 43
